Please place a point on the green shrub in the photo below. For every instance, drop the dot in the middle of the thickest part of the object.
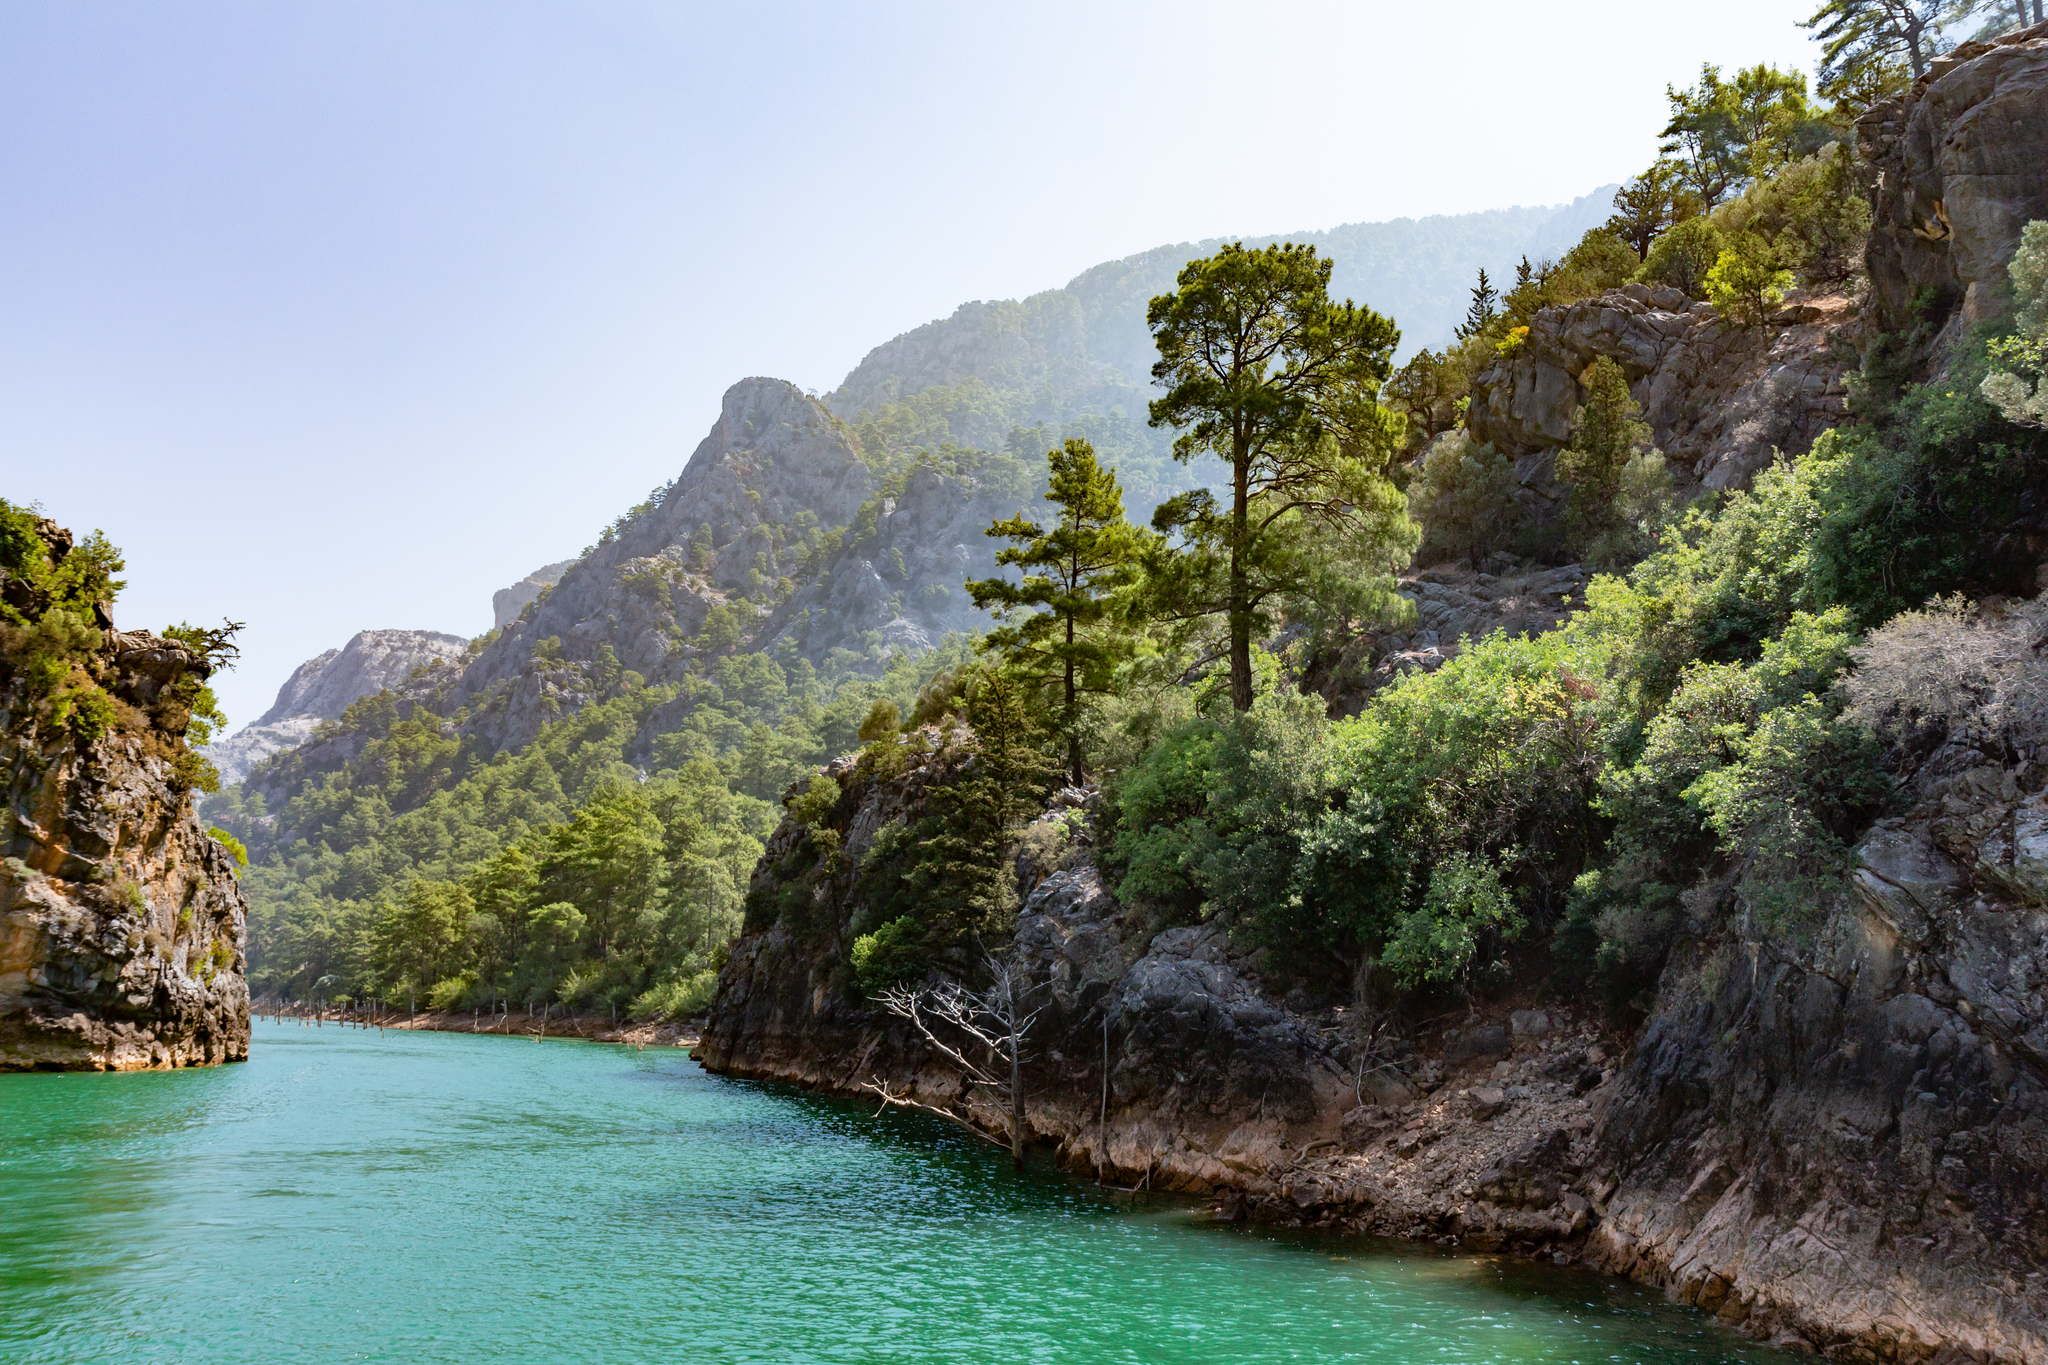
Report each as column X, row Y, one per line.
column 881, row 722
column 231, row 844
column 1608, row 435
column 1644, row 505
column 1464, row 496
column 676, row 997
column 1803, row 781
column 2018, row 392
column 1747, row 282
column 451, row 994
column 1209, row 823
column 896, row 954
column 1721, row 583
column 813, row 807
column 1935, row 493
column 1682, row 256
column 1162, row 833
column 1812, row 213
column 1497, row 750
column 1438, row 941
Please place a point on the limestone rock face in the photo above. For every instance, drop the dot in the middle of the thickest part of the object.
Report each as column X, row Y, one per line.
column 322, row 688
column 775, row 460
column 121, row 921
column 1851, row 1140
column 1719, row 398
column 507, row 603
column 904, row 584
column 1959, row 163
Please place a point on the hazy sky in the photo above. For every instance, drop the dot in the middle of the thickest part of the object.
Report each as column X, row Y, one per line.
column 339, row 315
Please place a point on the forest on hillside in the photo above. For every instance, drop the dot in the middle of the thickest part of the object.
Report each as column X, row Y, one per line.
column 1703, row 741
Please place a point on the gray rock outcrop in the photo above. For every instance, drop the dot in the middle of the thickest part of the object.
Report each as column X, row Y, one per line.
column 1720, row 399
column 507, row 603
column 321, row 688
column 1959, row 163
column 122, row 923
column 1848, row 1137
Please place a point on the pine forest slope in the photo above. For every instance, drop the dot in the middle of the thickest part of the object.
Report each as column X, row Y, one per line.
column 734, row 629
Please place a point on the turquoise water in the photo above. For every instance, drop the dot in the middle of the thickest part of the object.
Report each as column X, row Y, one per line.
column 356, row 1196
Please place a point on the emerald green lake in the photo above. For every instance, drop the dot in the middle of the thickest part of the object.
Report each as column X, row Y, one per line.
column 357, row 1196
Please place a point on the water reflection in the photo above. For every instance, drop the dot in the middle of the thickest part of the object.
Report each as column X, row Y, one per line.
column 349, row 1194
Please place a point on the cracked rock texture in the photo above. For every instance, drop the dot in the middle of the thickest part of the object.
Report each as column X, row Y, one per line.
column 321, row 688
column 1719, row 398
column 1850, row 1141
column 121, row 920
column 1959, row 162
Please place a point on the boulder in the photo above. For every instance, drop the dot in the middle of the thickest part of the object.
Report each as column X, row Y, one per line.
column 1478, row 1045
column 1958, row 163
column 1720, row 400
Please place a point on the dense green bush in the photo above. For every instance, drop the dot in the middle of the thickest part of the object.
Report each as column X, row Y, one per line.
column 1464, row 496
column 1682, row 256
column 1812, row 214
column 1438, row 941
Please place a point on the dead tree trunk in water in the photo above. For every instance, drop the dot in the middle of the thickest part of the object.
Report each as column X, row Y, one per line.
column 993, row 1026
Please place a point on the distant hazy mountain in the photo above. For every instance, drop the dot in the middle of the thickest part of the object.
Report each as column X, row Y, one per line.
column 321, row 688
column 838, row 532
column 1081, row 352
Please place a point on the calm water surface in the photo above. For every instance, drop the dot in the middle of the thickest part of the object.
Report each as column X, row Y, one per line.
column 356, row 1196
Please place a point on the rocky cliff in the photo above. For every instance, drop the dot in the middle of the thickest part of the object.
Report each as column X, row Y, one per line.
column 121, row 919
column 1842, row 1146
column 1957, row 162
column 507, row 603
column 1849, row 1138
column 1720, row 399
column 321, row 688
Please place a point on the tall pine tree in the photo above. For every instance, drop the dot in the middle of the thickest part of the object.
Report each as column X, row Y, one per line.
column 1073, row 573
column 1483, row 310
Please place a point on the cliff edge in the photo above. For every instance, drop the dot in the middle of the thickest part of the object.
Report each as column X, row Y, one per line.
column 121, row 920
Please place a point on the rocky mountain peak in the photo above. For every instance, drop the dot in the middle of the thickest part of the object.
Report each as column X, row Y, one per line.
column 321, row 688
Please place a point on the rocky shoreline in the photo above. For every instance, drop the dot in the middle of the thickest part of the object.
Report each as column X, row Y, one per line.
column 595, row 1028
column 1837, row 1148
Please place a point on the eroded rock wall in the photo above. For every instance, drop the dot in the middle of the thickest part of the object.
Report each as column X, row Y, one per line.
column 1961, row 166
column 122, row 923
column 1720, row 399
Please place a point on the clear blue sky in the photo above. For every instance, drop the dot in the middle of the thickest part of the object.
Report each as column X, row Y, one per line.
column 341, row 315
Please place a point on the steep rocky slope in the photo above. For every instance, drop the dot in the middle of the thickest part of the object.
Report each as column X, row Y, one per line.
column 1958, row 163
column 507, row 603
column 121, row 919
column 1835, row 1135
column 321, row 688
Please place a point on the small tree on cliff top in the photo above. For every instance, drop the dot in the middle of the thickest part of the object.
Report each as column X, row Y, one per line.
column 1262, row 368
column 1074, row 571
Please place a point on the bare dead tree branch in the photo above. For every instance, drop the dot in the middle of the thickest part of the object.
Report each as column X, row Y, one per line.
column 992, row 1025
